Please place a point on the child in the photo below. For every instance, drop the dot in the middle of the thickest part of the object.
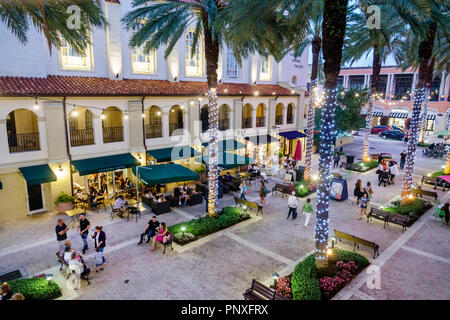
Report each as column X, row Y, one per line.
column 98, row 256
column 364, row 203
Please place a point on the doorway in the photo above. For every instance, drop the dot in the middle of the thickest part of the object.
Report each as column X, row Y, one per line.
column 35, row 199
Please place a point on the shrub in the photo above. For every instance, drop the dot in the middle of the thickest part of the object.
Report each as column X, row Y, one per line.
column 437, row 174
column 364, row 166
column 346, row 256
column 36, row 289
column 305, row 285
column 184, row 237
column 305, row 188
column 329, row 286
column 422, row 144
column 284, row 286
column 200, row 170
column 414, row 208
column 64, row 197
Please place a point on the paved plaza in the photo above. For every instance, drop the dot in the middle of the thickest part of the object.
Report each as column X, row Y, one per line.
column 412, row 265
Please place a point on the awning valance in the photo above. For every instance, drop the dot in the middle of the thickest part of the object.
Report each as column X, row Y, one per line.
column 431, row 117
column 103, row 164
column 227, row 145
column 227, row 160
column 377, row 114
column 165, row 173
column 173, row 153
column 35, row 175
column 292, row 135
column 399, row 115
column 262, row 139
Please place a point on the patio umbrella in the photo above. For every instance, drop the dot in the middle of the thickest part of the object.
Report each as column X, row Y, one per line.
column 442, row 133
column 298, row 152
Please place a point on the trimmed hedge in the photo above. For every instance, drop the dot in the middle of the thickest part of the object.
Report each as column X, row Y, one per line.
column 414, row 208
column 437, row 174
column 36, row 289
column 305, row 188
column 363, row 166
column 346, row 256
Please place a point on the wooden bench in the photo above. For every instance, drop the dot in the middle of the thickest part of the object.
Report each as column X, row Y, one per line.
column 378, row 214
column 427, row 193
column 168, row 242
column 398, row 219
column 250, row 204
column 284, row 189
column 258, row 291
column 386, row 217
column 434, row 181
column 357, row 241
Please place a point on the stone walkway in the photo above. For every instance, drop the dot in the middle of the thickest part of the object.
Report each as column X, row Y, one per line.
column 413, row 264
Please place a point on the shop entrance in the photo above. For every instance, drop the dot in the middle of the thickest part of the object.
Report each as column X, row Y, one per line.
column 35, row 199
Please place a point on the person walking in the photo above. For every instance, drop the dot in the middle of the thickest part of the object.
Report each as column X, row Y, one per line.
column 84, row 231
column 364, row 203
column 292, row 204
column 61, row 230
column 98, row 257
column 307, row 209
column 337, row 158
column 263, row 193
column 402, row 159
column 393, row 169
column 368, row 189
column 357, row 192
column 150, row 229
column 243, row 189
column 100, row 241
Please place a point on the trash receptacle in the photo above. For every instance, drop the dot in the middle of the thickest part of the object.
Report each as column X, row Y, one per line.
column 350, row 159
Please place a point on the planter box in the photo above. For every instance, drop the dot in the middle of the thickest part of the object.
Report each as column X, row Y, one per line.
column 64, row 206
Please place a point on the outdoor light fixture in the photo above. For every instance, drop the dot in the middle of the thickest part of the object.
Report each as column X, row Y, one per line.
column 357, row 94
column 36, row 105
column 329, row 252
column 117, row 75
column 181, row 107
column 410, row 196
column 126, row 117
column 315, row 177
column 226, row 90
column 333, row 242
column 183, row 229
column 75, row 113
column 60, row 169
column 199, row 99
column 158, row 113
column 292, row 91
column 103, row 116
column 143, row 115
column 49, row 277
column 275, row 278
column 175, row 79
column 256, row 93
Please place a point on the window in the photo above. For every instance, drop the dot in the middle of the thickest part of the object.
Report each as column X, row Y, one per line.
column 403, row 85
column 232, row 65
column 72, row 60
column 141, row 62
column 193, row 63
column 356, row 82
column 266, row 69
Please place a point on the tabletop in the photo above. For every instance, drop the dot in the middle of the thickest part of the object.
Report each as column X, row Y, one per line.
column 74, row 212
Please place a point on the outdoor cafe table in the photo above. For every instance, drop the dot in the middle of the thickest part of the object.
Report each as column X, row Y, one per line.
column 74, row 214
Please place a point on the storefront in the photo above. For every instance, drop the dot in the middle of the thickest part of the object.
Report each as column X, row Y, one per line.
column 430, row 125
column 260, row 147
column 398, row 117
column 288, row 142
column 376, row 118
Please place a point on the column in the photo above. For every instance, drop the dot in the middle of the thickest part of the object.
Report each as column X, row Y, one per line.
column 415, row 77
column 135, row 124
column 345, row 82
column 442, row 85
column 55, row 131
column 165, row 124
column 237, row 110
column 271, row 114
column 254, row 110
column 300, row 109
column 113, row 39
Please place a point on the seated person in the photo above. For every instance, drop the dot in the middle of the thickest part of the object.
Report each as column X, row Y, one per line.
column 183, row 198
column 120, row 205
column 79, row 194
column 127, row 183
column 162, row 231
column 150, row 229
column 150, row 195
column 162, row 198
column 228, row 177
column 93, row 199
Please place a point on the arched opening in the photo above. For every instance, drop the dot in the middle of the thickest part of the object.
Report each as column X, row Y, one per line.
column 247, row 116
column 175, row 119
column 81, row 127
column 153, row 124
column 112, row 124
column 204, row 118
column 224, row 117
column 290, row 113
column 279, row 114
column 260, row 115
column 23, row 131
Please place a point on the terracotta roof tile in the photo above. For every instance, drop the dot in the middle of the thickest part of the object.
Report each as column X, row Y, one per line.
column 91, row 86
column 113, row 1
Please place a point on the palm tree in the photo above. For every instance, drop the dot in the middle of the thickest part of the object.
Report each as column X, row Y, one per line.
column 51, row 18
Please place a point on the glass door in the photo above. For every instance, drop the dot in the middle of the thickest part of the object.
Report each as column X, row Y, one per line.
column 35, row 199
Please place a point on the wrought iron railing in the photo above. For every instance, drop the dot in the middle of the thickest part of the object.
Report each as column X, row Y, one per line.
column 153, row 131
column 112, row 134
column 260, row 121
column 82, row 137
column 246, row 123
column 224, row 124
column 20, row 142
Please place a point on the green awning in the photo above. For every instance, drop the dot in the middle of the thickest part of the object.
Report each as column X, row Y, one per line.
column 35, row 175
column 227, row 145
column 174, row 153
column 103, row 164
column 165, row 173
column 227, row 160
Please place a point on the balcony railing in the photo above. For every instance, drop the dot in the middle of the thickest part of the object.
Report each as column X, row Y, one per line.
column 24, row 142
column 173, row 127
column 224, row 124
column 81, row 137
column 260, row 121
column 290, row 119
column 112, row 134
column 246, row 123
column 278, row 120
column 153, row 131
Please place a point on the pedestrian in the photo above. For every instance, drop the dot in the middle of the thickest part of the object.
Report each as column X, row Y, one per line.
column 368, row 189
column 337, row 158
column 307, row 209
column 357, row 192
column 98, row 257
column 243, row 189
column 402, row 159
column 5, row 291
column 292, row 204
column 84, row 231
column 100, row 241
column 150, row 229
column 364, row 203
column 61, row 236
column 263, row 193
column 393, row 169
column 405, row 139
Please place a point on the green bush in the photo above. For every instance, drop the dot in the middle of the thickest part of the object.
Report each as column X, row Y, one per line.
column 64, row 197
column 184, row 237
column 422, row 144
column 364, row 166
column 36, row 289
column 305, row 285
column 437, row 174
column 200, row 170
column 346, row 256
column 305, row 188
column 414, row 208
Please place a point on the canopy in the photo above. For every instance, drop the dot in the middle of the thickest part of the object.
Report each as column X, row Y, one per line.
column 445, row 178
column 165, row 173
column 262, row 139
column 398, row 115
column 173, row 153
column 227, row 145
column 292, row 135
column 377, row 114
column 35, row 175
column 103, row 164
column 227, row 160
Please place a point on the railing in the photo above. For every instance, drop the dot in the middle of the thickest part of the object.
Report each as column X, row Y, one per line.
column 246, row 123
column 290, row 118
column 224, row 124
column 173, row 127
column 278, row 120
column 153, row 131
column 260, row 121
column 81, row 137
column 112, row 134
column 24, row 142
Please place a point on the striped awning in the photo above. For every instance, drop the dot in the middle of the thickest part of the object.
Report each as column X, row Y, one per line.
column 377, row 114
column 431, row 117
column 400, row 115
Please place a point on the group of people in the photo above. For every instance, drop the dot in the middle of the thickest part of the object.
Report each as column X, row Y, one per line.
column 6, row 293
column 362, row 196
column 387, row 169
column 307, row 208
column 155, row 231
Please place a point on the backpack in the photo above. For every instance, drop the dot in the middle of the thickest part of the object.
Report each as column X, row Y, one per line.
column 265, row 191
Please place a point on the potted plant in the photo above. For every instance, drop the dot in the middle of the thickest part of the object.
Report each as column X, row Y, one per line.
column 202, row 172
column 64, row 202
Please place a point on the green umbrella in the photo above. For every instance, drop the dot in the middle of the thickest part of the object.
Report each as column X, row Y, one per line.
column 442, row 133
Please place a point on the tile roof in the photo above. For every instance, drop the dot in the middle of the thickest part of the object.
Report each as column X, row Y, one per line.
column 113, row 1
column 92, row 86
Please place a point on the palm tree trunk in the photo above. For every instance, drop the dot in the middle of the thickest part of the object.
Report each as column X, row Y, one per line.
column 376, row 69
column 423, row 120
column 316, row 46
column 333, row 32
column 425, row 52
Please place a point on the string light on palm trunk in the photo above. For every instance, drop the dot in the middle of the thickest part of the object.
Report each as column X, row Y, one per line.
column 213, row 190
column 423, row 119
column 310, row 128
column 368, row 128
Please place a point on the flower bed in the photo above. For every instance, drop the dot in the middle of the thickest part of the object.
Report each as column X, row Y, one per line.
column 305, row 188
column 36, row 288
column 414, row 208
column 197, row 228
column 307, row 282
column 363, row 166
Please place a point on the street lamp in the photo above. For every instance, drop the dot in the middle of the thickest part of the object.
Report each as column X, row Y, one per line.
column 333, row 242
column 183, row 229
column 275, row 278
column 49, row 277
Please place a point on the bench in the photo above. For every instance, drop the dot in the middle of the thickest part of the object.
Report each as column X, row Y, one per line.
column 168, row 242
column 378, row 214
column 386, row 217
column 284, row 189
column 398, row 219
column 357, row 241
column 434, row 181
column 250, row 204
column 427, row 193
column 258, row 291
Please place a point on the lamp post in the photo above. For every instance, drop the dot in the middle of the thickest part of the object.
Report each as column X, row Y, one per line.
column 275, row 278
column 49, row 277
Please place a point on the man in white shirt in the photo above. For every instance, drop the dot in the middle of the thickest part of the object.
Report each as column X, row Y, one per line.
column 292, row 204
column 120, row 205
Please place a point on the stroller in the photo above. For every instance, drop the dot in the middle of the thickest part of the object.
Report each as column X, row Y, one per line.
column 385, row 178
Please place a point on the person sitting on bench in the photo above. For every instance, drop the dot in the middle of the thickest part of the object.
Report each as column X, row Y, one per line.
column 162, row 232
column 120, row 205
column 183, row 198
column 150, row 229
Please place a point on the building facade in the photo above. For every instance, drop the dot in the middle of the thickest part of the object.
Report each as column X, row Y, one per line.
column 115, row 101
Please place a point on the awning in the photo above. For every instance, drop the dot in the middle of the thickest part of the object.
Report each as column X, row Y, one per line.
column 165, row 173
column 292, row 135
column 227, row 145
column 174, row 153
column 103, row 164
column 227, row 160
column 377, row 114
column 262, row 139
column 431, row 117
column 400, row 115
column 35, row 175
